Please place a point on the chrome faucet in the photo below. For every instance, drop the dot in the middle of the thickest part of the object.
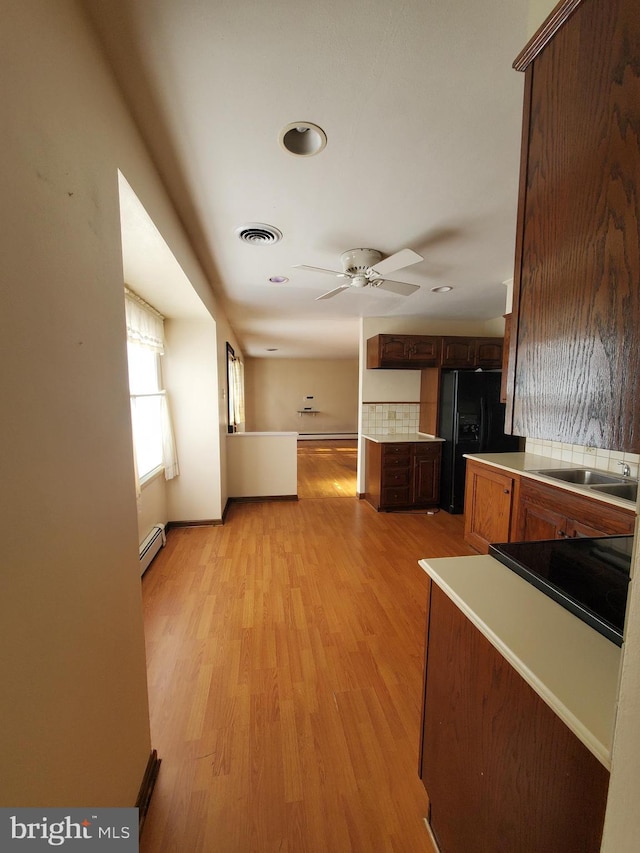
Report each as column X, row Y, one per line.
column 626, row 470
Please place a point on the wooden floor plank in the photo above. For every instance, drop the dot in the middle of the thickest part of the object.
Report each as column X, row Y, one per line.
column 285, row 654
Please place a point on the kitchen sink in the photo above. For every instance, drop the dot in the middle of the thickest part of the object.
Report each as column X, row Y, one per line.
column 581, row 476
column 628, row 491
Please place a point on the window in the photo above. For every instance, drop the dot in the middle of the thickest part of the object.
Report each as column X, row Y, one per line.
column 235, row 390
column 146, row 413
column 153, row 441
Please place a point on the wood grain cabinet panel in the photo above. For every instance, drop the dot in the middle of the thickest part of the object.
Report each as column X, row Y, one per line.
column 546, row 512
column 489, row 502
column 575, row 351
column 403, row 475
column 503, row 773
column 411, row 352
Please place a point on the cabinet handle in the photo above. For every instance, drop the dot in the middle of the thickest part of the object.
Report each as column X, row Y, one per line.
column 506, row 491
column 561, row 533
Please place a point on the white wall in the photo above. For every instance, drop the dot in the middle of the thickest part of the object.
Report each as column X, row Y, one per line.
column 152, row 505
column 276, row 389
column 262, row 464
column 191, row 379
column 74, row 722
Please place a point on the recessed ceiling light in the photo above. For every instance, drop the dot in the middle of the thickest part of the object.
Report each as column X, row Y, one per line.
column 444, row 288
column 302, row 138
column 272, row 349
column 278, row 279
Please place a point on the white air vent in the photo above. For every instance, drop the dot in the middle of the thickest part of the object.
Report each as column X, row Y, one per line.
column 258, row 234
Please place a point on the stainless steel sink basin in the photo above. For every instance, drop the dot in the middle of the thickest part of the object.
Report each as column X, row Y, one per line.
column 581, row 476
column 628, row 491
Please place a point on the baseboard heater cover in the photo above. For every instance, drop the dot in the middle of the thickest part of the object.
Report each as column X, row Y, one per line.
column 150, row 546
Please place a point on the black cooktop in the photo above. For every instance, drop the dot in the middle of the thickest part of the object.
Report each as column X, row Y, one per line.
column 589, row 577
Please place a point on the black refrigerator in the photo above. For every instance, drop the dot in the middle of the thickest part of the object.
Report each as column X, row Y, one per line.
column 471, row 420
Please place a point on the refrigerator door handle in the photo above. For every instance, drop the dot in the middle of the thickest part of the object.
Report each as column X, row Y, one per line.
column 484, row 414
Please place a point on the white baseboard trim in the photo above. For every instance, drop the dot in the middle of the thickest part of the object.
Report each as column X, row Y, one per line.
column 319, row 436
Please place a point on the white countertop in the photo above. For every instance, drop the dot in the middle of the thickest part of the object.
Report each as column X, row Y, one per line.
column 400, row 437
column 528, row 463
column 572, row 667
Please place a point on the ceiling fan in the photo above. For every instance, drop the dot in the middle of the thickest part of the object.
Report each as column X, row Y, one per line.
column 366, row 268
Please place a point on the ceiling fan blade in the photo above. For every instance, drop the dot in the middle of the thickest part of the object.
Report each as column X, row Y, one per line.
column 333, row 293
column 403, row 258
column 401, row 287
column 318, row 269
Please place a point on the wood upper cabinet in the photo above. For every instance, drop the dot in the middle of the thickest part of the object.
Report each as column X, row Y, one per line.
column 490, row 502
column 402, row 475
column 575, row 349
column 459, row 352
column 422, row 351
column 502, row 771
column 546, row 512
column 403, row 351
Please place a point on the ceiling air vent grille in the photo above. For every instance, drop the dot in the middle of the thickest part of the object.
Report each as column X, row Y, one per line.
column 258, row 234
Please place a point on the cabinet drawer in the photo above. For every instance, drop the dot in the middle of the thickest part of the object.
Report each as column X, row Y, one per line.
column 396, row 477
column 392, row 458
column 400, row 496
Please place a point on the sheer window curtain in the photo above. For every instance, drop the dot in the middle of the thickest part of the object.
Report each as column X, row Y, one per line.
column 145, row 328
column 237, row 375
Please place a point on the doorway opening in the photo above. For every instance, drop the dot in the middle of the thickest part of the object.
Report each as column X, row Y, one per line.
column 327, row 468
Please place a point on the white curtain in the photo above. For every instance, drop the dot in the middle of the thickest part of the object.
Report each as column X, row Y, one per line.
column 169, row 453
column 237, row 376
column 145, row 328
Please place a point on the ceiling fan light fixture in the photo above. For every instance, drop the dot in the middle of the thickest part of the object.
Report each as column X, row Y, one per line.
column 302, row 138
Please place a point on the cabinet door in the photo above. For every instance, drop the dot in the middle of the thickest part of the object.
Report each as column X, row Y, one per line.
column 502, row 771
column 488, row 353
column 488, row 505
column 426, row 474
column 576, row 295
column 458, row 352
column 424, row 349
column 539, row 522
column 393, row 348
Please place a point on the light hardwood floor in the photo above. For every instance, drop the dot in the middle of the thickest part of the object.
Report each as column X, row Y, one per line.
column 285, row 657
column 327, row 468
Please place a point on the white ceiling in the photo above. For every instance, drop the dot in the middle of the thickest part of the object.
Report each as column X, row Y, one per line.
column 422, row 113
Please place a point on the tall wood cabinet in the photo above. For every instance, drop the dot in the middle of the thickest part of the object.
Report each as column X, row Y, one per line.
column 575, row 343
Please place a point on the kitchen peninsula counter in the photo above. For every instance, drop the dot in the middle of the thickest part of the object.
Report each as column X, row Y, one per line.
column 401, row 437
column 567, row 663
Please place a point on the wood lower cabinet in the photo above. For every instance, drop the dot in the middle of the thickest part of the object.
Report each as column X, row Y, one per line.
column 503, row 773
column 402, row 475
column 546, row 512
column 490, row 502
column 500, row 506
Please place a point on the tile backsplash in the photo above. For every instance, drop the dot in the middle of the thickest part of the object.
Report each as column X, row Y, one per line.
column 605, row 460
column 390, row 418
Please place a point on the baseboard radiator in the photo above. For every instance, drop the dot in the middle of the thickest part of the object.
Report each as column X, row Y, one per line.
column 150, row 546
